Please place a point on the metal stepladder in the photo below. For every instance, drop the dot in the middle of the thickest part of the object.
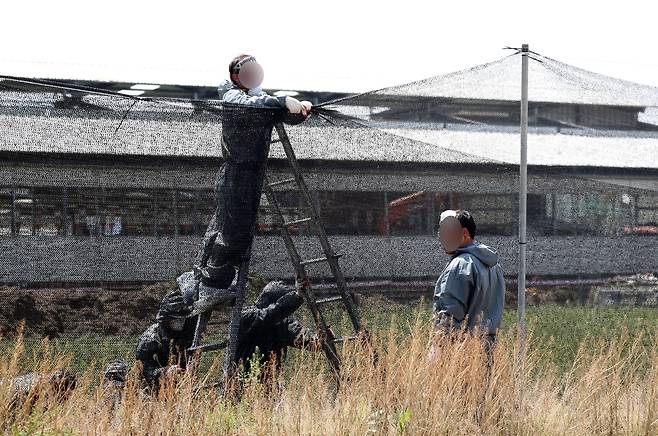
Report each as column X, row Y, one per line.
column 329, row 257
column 314, row 304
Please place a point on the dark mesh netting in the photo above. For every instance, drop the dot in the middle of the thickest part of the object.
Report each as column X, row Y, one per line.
column 105, row 198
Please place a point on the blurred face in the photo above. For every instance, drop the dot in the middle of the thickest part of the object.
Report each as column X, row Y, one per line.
column 251, row 74
column 451, row 234
column 176, row 324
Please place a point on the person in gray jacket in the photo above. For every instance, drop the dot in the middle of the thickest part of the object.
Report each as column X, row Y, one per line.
column 470, row 293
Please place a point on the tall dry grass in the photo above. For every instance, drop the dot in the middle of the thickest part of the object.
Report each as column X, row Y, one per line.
column 611, row 388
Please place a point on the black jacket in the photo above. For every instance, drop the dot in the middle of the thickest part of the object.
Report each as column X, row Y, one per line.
column 159, row 347
column 246, row 136
column 272, row 330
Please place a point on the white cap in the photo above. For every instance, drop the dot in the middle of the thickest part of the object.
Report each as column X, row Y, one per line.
column 447, row 213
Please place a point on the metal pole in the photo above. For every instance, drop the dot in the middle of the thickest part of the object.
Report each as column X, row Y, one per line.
column 174, row 201
column 34, row 212
column 523, row 193
column 65, row 211
column 13, row 213
column 388, row 224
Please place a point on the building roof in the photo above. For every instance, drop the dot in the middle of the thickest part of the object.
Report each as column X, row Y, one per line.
column 29, row 123
column 546, row 146
column 548, row 81
column 44, row 122
column 649, row 116
column 179, row 91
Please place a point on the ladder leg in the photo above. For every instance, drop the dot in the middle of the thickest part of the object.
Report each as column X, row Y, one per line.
column 234, row 324
column 201, row 325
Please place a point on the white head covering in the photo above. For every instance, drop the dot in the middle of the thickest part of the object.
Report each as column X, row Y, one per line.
column 447, row 213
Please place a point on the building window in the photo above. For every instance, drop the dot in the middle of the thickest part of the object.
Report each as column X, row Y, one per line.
column 164, row 212
column 6, row 212
column 130, row 212
column 642, row 210
column 206, row 205
column 48, row 211
column 104, row 212
column 352, row 213
column 594, row 213
column 291, row 208
column 194, row 210
column 647, row 210
column 82, row 212
column 410, row 213
column 187, row 213
column 494, row 214
column 95, row 212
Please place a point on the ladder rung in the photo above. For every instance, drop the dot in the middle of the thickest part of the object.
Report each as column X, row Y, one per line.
column 299, row 221
column 318, row 260
column 329, row 300
column 210, row 347
column 281, row 182
column 274, row 141
column 345, row 338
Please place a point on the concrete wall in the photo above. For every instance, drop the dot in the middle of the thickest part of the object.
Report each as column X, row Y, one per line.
column 26, row 260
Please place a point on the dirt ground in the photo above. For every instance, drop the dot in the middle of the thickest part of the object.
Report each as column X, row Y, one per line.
column 79, row 311
column 102, row 311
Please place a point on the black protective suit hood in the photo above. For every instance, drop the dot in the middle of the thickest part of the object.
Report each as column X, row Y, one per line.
column 271, row 293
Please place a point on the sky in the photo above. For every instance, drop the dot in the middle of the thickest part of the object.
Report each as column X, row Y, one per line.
column 331, row 45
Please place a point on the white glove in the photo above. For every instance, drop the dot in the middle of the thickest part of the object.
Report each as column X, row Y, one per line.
column 307, row 105
column 293, row 105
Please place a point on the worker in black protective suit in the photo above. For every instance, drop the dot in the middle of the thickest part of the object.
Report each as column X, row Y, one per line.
column 268, row 328
column 162, row 348
column 248, row 118
column 114, row 380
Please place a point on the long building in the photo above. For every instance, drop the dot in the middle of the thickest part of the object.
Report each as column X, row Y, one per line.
column 80, row 203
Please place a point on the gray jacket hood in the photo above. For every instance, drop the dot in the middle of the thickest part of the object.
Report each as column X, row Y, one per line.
column 485, row 254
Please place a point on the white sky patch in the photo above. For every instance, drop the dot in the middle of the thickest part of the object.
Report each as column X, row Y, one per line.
column 324, row 46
